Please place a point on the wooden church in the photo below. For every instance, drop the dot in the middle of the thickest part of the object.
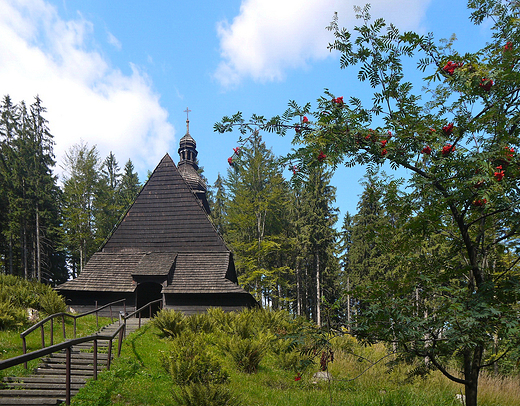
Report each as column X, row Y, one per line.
column 166, row 247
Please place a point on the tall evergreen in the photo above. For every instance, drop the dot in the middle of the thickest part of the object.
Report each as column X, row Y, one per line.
column 30, row 195
column 129, row 186
column 217, row 202
column 317, row 239
column 108, row 203
column 80, row 183
column 257, row 203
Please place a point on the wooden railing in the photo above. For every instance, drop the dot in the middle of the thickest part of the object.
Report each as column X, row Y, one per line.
column 41, row 324
column 140, row 310
column 67, row 345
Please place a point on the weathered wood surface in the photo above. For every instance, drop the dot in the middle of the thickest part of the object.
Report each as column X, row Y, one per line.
column 46, row 386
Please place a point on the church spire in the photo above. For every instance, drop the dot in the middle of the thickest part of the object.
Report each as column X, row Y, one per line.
column 188, row 167
column 187, row 111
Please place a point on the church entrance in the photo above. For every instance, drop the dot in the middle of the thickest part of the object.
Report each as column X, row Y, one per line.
column 148, row 292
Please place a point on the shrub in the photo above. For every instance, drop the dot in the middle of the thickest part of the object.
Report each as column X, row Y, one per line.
column 51, row 302
column 246, row 353
column 170, row 322
column 189, row 361
column 220, row 319
column 199, row 323
column 205, row 395
column 11, row 316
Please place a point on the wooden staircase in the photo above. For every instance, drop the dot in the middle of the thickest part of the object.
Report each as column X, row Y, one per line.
column 47, row 385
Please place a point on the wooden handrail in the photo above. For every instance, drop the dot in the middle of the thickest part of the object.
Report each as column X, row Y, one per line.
column 149, row 305
column 52, row 316
column 67, row 345
column 41, row 324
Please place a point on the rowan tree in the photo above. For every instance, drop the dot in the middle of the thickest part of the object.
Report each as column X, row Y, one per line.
column 456, row 294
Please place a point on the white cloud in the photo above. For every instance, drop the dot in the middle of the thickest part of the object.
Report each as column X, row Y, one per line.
column 269, row 37
column 112, row 40
column 86, row 98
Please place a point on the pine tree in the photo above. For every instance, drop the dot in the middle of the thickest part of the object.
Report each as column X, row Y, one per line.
column 81, row 165
column 255, row 211
column 318, row 241
column 129, row 187
column 217, row 201
column 108, row 202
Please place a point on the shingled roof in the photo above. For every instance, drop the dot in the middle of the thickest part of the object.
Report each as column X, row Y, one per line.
column 165, row 236
column 165, row 217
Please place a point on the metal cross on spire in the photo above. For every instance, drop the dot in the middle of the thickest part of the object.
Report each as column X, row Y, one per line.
column 187, row 111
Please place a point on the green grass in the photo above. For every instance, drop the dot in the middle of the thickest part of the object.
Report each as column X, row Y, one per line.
column 138, row 377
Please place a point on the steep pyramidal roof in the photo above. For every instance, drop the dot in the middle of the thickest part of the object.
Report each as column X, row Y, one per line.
column 165, row 217
column 165, row 239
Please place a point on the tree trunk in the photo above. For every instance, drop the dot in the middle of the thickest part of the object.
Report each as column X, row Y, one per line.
column 318, row 292
column 298, row 292
column 472, row 360
column 348, row 303
column 10, row 254
column 38, row 251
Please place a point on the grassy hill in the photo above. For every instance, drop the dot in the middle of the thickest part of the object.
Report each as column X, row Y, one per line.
column 255, row 358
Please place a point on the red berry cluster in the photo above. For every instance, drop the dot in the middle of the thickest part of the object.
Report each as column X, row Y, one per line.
column 448, row 129
column 499, row 175
column 447, row 149
column 322, row 156
column 338, row 100
column 450, row 67
column 479, row 202
column 486, row 84
column 427, row 150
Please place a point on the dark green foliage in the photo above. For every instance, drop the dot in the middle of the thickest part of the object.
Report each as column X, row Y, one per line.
column 189, row 361
column 256, row 208
column 17, row 295
column 205, row 395
column 129, row 186
column 170, row 322
column 11, row 316
column 246, row 353
column 30, row 235
column 438, row 261
column 199, row 323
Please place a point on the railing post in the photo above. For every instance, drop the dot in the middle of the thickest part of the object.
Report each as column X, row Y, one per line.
column 97, row 315
column 52, row 331
column 111, row 318
column 74, row 327
column 124, row 307
column 95, row 359
column 43, row 336
column 63, row 324
column 24, row 350
column 67, row 375
column 120, row 341
column 109, row 354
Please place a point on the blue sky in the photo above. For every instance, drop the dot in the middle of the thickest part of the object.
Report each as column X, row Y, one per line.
column 119, row 74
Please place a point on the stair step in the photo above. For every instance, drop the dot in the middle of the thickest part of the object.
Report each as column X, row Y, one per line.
column 59, row 361
column 46, row 386
column 80, row 356
column 61, row 372
column 31, row 401
column 42, row 385
column 43, row 379
column 35, row 393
